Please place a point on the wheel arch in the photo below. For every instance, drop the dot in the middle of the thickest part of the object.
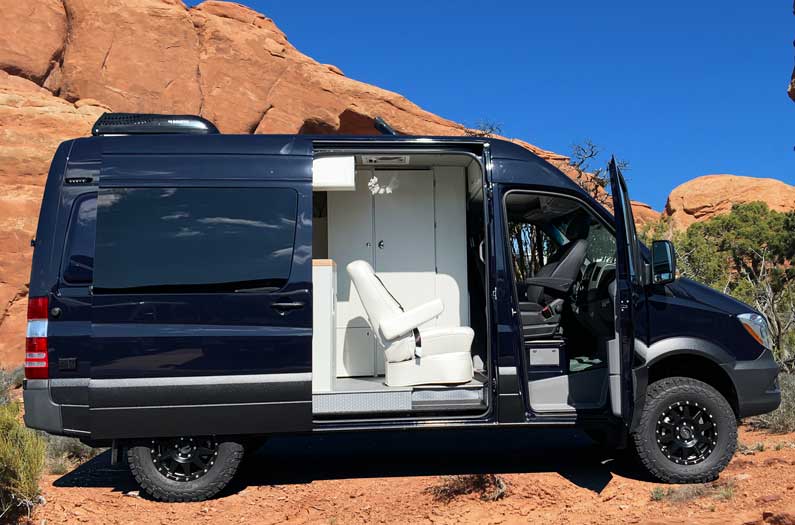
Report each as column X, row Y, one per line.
column 694, row 358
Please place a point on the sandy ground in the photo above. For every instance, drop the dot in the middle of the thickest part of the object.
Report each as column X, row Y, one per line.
column 552, row 477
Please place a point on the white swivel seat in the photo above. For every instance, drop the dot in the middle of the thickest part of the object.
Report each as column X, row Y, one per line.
column 413, row 357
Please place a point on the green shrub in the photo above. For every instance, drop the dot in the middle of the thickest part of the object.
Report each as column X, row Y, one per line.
column 781, row 420
column 5, row 385
column 65, row 453
column 17, row 376
column 22, row 454
column 717, row 490
column 490, row 487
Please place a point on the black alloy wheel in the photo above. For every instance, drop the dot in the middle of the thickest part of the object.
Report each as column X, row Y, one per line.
column 185, row 458
column 686, row 432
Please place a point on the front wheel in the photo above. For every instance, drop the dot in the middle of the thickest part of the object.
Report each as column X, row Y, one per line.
column 185, row 468
column 687, row 431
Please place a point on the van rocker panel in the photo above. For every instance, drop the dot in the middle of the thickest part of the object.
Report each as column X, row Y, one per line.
column 205, row 405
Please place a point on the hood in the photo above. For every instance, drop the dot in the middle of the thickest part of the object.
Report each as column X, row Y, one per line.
column 689, row 289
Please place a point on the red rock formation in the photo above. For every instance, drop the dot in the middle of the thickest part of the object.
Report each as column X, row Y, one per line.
column 705, row 197
column 644, row 213
column 32, row 124
column 32, row 36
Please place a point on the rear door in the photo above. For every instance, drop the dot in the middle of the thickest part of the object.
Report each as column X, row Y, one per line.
column 628, row 298
column 202, row 316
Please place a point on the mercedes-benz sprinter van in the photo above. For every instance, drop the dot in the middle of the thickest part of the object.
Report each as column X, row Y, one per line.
column 192, row 292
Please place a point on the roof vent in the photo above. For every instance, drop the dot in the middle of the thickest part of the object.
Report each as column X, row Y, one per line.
column 151, row 124
column 391, row 160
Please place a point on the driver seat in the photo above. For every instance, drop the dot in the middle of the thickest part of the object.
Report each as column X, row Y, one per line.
column 551, row 285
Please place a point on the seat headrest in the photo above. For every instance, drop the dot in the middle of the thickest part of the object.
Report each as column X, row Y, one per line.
column 359, row 268
column 579, row 226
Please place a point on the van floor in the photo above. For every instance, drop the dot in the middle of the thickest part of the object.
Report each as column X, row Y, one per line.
column 370, row 396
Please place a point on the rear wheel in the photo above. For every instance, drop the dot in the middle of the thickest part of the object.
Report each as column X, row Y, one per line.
column 185, row 468
column 687, row 432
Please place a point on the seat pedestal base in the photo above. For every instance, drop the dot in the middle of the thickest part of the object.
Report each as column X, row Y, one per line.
column 448, row 368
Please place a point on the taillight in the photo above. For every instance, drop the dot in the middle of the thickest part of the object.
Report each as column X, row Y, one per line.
column 36, row 359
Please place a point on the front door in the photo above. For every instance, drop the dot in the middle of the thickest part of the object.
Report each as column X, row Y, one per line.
column 628, row 299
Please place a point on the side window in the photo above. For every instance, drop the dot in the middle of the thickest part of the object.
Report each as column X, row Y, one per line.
column 531, row 247
column 601, row 245
column 541, row 230
column 201, row 240
column 78, row 261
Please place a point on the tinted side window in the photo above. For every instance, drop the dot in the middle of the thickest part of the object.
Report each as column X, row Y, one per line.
column 78, row 262
column 162, row 240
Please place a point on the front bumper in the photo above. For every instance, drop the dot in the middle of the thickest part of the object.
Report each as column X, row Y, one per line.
column 757, row 385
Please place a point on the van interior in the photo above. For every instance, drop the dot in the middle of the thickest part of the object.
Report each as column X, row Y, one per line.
column 399, row 290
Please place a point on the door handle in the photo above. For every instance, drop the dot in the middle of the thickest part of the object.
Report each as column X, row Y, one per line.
column 283, row 307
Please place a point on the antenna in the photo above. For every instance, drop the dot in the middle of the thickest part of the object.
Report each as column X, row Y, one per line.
column 384, row 128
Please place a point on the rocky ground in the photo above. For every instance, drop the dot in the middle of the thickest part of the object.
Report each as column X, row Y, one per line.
column 552, row 477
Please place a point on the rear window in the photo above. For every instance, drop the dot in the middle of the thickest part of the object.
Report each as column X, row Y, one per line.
column 78, row 263
column 203, row 240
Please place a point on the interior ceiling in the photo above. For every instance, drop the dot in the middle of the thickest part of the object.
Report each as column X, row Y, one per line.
column 536, row 208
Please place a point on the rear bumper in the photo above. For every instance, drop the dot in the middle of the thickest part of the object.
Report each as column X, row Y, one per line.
column 757, row 385
column 41, row 412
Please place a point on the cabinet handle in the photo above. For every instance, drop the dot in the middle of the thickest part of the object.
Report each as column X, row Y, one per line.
column 381, row 244
column 368, row 244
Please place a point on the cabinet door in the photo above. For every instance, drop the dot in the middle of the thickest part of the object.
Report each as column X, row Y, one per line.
column 350, row 238
column 405, row 253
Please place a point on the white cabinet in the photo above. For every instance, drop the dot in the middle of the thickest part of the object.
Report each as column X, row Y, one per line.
column 404, row 236
column 350, row 238
column 324, row 329
column 410, row 225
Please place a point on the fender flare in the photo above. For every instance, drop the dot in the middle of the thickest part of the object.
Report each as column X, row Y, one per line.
column 664, row 348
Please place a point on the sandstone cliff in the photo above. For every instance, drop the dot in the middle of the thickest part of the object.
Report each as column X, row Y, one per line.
column 705, row 197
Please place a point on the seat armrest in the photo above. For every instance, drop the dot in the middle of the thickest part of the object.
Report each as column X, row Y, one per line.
column 411, row 319
column 550, row 283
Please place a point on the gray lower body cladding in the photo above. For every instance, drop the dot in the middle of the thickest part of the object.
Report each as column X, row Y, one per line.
column 163, row 407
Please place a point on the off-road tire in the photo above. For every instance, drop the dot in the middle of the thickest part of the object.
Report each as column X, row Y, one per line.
column 159, row 487
column 659, row 397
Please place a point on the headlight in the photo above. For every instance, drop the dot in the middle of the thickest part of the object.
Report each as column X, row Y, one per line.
column 756, row 325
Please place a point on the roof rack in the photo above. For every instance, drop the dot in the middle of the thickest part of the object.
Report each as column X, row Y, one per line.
column 149, row 124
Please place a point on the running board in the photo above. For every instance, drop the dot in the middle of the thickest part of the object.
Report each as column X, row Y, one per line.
column 398, row 400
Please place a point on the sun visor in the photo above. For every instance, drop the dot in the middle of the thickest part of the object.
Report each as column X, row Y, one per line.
column 333, row 174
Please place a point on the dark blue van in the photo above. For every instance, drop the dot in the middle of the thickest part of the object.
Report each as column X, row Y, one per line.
column 193, row 292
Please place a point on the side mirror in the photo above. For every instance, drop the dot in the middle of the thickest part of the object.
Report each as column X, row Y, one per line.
column 663, row 262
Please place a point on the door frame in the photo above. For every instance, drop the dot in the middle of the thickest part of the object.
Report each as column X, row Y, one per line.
column 630, row 299
column 522, row 368
column 412, row 146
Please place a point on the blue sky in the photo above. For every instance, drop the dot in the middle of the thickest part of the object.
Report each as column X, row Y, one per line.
column 679, row 88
